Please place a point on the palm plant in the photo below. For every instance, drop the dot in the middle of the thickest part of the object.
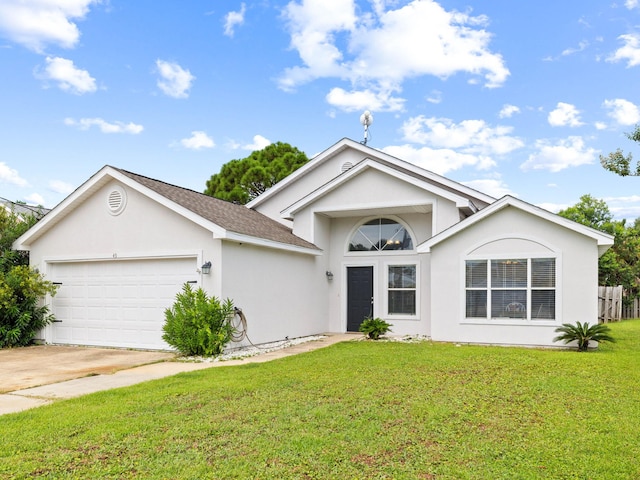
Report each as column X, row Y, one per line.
column 374, row 327
column 583, row 333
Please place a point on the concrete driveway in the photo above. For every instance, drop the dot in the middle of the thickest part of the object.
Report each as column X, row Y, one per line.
column 33, row 366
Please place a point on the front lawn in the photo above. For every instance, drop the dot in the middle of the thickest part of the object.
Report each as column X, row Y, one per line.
column 356, row 410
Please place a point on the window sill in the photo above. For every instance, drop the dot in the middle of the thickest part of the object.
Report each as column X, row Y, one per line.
column 510, row 321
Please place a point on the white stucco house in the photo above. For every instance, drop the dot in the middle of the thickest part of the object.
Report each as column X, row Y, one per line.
column 353, row 233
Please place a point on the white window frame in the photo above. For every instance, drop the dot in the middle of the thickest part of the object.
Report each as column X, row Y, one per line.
column 354, row 230
column 506, row 320
column 401, row 316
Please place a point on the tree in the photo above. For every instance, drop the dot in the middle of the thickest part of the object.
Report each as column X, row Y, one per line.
column 242, row 180
column 591, row 212
column 620, row 265
column 21, row 287
column 620, row 164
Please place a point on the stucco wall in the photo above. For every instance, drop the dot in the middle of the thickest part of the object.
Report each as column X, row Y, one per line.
column 281, row 294
column 322, row 173
column 576, row 288
column 341, row 230
column 144, row 228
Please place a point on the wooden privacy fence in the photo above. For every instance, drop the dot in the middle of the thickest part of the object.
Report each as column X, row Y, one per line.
column 610, row 304
column 631, row 309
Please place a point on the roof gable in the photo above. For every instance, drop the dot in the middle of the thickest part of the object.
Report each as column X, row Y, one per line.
column 604, row 240
column 427, row 177
column 370, row 164
column 223, row 219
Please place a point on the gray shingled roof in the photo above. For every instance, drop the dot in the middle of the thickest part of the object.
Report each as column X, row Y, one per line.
column 234, row 218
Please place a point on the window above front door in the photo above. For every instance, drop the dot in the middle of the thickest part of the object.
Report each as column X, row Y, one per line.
column 381, row 235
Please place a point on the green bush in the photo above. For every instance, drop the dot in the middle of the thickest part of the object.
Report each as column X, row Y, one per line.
column 374, row 327
column 583, row 333
column 197, row 324
column 21, row 315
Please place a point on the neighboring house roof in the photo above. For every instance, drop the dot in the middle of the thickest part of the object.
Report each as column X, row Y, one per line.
column 223, row 219
column 24, row 209
column 476, row 200
column 604, row 240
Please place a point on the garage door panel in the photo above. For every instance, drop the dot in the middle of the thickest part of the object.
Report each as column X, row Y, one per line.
column 116, row 303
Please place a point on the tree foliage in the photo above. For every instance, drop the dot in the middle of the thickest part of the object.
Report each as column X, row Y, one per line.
column 620, row 265
column 242, row 180
column 619, row 163
column 21, row 287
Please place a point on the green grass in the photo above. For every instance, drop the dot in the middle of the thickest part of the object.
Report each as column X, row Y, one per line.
column 357, row 410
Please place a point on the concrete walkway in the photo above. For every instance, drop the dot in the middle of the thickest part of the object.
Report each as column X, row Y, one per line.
column 27, row 398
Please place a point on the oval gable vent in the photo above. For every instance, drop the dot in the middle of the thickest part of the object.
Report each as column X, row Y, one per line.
column 116, row 201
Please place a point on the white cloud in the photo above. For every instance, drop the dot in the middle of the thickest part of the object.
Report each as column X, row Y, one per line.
column 491, row 186
column 440, row 160
column 174, row 80
column 624, row 207
column 36, row 23
column 564, row 115
column 197, row 141
column 59, row 186
column 434, row 97
column 364, row 100
column 105, row 127
column 378, row 50
column 629, row 52
column 570, row 51
column 35, row 199
column 508, row 111
column 233, row 19
column 468, row 136
column 259, row 142
column 631, row 4
column 10, row 175
column 622, row 111
column 569, row 152
column 68, row 77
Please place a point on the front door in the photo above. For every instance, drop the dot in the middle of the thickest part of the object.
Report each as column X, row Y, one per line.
column 359, row 296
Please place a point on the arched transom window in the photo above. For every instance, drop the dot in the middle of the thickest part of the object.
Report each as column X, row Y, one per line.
column 380, row 234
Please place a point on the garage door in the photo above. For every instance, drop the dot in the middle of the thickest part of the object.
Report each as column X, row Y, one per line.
column 116, row 303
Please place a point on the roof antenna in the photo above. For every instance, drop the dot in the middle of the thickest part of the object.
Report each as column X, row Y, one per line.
column 366, row 119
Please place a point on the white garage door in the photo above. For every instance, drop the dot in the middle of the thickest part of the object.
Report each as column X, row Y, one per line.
column 116, row 303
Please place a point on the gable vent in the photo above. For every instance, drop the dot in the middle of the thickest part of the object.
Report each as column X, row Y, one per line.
column 116, row 201
column 346, row 166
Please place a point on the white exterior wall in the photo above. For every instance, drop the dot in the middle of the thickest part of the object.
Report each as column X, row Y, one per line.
column 143, row 229
column 576, row 278
column 322, row 173
column 282, row 294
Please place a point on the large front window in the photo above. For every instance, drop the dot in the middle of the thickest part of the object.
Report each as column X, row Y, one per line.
column 380, row 234
column 402, row 290
column 515, row 288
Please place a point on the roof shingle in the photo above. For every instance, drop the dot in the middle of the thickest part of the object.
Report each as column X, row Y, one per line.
column 234, row 218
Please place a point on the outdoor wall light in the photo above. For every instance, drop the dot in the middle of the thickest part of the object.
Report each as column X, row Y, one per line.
column 329, row 275
column 206, row 268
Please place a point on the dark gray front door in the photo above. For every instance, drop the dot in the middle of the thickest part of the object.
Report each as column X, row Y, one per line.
column 359, row 296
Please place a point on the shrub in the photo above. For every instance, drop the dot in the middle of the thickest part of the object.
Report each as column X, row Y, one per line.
column 374, row 327
column 583, row 333
column 21, row 315
column 197, row 324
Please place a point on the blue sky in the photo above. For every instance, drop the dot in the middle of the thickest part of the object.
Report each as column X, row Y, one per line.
column 508, row 97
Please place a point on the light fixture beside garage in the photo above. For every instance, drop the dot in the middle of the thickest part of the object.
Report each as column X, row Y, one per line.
column 206, row 268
